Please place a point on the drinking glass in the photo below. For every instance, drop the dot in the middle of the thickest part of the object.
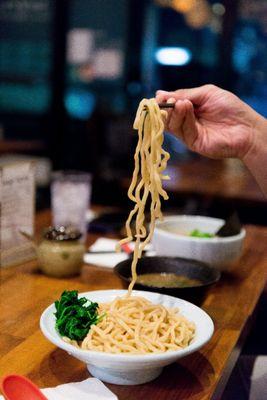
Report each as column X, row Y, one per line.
column 70, row 198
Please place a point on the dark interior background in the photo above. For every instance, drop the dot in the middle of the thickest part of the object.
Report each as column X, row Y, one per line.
column 73, row 72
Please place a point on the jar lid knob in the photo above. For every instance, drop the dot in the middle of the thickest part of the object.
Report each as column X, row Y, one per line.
column 62, row 233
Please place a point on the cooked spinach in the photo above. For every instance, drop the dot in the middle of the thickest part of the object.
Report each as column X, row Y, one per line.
column 74, row 316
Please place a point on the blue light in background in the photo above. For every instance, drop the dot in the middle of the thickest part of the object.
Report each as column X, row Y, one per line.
column 176, row 56
column 79, row 103
column 259, row 102
column 245, row 48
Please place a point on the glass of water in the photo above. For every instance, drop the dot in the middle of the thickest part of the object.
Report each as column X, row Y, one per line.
column 70, row 198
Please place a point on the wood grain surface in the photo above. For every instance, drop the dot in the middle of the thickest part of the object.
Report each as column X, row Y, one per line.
column 225, row 179
column 25, row 293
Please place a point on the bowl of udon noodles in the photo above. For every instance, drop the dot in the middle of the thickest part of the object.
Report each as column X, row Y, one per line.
column 194, row 237
column 139, row 335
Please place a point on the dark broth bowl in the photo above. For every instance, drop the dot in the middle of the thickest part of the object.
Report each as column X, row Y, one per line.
column 180, row 266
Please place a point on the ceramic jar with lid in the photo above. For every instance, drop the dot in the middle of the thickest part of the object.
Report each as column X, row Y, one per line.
column 60, row 253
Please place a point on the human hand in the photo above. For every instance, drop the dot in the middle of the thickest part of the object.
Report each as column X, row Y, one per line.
column 211, row 121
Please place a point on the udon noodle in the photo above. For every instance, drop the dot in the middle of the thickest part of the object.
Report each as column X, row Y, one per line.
column 133, row 324
column 150, row 162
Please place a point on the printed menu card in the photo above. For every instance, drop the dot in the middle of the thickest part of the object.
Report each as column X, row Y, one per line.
column 17, row 206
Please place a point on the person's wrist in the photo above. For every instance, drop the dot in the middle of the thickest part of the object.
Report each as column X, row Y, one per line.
column 255, row 159
column 258, row 143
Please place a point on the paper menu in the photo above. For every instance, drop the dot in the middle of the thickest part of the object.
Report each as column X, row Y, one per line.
column 17, row 206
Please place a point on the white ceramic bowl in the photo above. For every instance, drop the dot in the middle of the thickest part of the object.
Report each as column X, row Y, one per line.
column 218, row 251
column 124, row 369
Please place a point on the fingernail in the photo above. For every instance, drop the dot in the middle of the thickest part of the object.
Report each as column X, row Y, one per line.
column 171, row 100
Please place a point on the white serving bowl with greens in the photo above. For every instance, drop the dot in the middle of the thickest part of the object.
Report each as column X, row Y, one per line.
column 172, row 238
column 131, row 369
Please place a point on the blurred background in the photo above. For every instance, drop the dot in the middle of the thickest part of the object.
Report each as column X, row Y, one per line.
column 73, row 72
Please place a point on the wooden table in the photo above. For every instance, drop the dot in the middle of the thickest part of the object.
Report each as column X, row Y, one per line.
column 225, row 179
column 25, row 293
column 21, row 146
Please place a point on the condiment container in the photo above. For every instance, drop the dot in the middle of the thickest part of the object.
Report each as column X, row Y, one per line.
column 60, row 252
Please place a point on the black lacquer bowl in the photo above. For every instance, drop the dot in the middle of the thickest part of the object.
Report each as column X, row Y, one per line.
column 190, row 268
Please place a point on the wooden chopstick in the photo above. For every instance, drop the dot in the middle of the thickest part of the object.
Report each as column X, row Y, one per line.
column 166, row 105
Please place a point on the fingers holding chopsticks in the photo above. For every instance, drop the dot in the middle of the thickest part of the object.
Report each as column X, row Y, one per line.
column 181, row 120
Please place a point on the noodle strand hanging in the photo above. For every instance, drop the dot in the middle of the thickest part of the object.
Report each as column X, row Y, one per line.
column 150, row 162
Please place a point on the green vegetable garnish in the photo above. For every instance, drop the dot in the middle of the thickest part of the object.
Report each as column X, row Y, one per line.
column 198, row 233
column 74, row 316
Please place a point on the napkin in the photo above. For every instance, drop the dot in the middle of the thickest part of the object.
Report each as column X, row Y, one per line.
column 109, row 260
column 258, row 382
column 90, row 389
column 105, row 244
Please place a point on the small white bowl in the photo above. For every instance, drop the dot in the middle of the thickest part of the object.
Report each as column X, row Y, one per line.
column 124, row 369
column 218, row 252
